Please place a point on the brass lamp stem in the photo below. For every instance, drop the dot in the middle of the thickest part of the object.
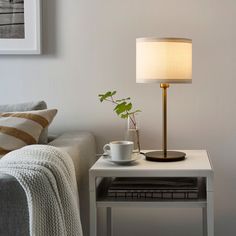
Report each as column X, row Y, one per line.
column 164, row 155
column 164, row 104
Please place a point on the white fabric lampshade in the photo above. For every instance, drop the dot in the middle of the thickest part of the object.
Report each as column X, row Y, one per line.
column 163, row 60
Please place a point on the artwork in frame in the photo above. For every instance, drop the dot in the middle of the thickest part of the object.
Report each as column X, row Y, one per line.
column 20, row 26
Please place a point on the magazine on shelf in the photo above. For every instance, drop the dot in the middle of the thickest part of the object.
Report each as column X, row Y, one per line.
column 159, row 188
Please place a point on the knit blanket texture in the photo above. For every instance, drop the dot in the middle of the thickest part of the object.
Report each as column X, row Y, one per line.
column 47, row 176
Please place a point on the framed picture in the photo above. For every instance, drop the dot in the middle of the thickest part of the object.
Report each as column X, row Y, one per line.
column 20, row 26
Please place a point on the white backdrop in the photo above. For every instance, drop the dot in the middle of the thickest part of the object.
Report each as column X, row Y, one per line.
column 89, row 47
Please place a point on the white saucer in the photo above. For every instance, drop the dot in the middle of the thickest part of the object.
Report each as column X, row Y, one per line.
column 134, row 157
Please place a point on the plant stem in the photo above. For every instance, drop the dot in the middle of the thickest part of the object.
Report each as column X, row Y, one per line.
column 132, row 120
column 130, row 116
column 138, row 142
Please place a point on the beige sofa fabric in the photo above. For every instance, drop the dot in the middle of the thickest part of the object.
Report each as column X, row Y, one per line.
column 82, row 149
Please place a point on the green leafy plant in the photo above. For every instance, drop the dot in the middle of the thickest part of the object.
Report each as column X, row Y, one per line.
column 123, row 108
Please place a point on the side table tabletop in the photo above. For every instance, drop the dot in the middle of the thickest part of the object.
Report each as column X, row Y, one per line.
column 197, row 164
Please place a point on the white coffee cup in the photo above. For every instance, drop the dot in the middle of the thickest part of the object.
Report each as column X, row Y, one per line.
column 119, row 150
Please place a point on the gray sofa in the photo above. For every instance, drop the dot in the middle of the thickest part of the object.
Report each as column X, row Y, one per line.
column 14, row 216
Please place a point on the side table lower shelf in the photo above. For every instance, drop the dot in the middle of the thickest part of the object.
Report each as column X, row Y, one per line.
column 103, row 201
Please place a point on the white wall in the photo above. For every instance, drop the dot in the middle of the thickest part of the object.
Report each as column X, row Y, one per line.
column 89, row 47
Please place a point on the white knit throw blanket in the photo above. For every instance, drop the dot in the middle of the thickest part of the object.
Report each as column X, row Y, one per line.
column 47, row 176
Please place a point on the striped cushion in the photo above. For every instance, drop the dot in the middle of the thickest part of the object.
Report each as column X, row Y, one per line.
column 28, row 106
column 18, row 129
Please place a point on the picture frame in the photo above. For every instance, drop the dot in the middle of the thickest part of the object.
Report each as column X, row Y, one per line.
column 26, row 36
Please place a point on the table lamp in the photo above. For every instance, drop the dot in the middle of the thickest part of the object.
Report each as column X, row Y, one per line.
column 164, row 61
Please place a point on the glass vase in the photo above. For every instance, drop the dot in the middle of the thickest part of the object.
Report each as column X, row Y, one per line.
column 132, row 132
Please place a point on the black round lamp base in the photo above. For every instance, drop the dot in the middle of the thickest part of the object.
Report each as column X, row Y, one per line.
column 171, row 156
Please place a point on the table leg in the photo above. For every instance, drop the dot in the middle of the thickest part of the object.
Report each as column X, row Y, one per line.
column 204, row 221
column 92, row 205
column 210, row 206
column 210, row 214
column 109, row 221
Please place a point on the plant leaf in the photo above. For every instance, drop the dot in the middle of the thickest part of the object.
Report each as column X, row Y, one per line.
column 124, row 116
column 120, row 108
column 101, row 97
column 136, row 111
column 113, row 93
column 129, row 106
column 106, row 95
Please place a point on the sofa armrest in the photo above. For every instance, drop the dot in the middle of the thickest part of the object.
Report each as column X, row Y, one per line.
column 14, row 216
column 82, row 149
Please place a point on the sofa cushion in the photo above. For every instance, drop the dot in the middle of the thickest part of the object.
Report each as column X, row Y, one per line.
column 28, row 106
column 18, row 129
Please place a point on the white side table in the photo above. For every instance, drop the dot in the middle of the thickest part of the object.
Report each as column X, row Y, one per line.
column 197, row 164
